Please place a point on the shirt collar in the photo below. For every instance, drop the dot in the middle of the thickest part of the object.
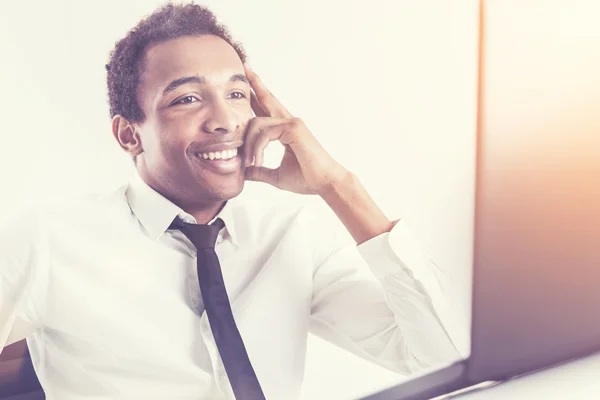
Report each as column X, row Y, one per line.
column 155, row 212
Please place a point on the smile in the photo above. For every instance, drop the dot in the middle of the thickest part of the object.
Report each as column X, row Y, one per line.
column 218, row 155
column 222, row 162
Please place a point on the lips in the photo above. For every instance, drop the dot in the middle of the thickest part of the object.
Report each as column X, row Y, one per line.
column 220, row 158
column 218, row 155
column 221, row 166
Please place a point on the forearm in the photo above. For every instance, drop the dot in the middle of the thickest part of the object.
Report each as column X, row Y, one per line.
column 413, row 287
column 356, row 209
column 397, row 327
column 399, row 264
column 423, row 332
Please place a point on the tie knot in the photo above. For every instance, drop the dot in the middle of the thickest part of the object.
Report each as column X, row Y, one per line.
column 201, row 235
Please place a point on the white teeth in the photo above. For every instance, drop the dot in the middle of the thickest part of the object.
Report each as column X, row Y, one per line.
column 219, row 155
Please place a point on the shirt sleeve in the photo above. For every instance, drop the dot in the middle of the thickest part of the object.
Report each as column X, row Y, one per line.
column 19, row 267
column 378, row 300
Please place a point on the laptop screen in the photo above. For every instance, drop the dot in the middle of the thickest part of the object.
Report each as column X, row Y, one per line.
column 537, row 224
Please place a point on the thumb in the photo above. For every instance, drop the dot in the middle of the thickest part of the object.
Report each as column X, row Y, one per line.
column 262, row 174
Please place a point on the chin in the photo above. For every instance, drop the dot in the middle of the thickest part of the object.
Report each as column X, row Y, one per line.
column 229, row 191
column 232, row 192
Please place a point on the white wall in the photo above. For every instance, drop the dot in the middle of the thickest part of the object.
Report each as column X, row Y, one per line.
column 388, row 88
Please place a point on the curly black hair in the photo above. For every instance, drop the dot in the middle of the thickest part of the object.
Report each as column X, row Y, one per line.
column 169, row 21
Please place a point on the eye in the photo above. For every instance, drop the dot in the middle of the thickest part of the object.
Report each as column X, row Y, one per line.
column 186, row 100
column 238, row 95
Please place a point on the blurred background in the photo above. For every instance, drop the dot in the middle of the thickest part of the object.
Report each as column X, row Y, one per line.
column 388, row 87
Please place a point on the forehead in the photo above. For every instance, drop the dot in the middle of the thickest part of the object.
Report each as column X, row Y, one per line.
column 205, row 55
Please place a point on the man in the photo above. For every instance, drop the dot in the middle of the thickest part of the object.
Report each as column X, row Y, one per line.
column 112, row 291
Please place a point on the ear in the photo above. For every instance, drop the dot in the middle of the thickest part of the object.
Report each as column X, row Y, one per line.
column 127, row 135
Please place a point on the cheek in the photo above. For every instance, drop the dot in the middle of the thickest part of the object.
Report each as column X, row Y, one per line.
column 177, row 132
column 172, row 145
column 244, row 115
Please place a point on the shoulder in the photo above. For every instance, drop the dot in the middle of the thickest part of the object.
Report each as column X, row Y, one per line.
column 35, row 216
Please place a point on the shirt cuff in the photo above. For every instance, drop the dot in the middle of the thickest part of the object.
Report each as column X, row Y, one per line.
column 394, row 251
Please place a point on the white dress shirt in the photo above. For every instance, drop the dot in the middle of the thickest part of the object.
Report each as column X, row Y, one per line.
column 109, row 300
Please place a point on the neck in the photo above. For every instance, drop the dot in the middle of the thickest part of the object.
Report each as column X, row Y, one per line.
column 205, row 213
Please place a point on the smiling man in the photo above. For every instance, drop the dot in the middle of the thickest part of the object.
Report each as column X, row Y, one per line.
column 177, row 286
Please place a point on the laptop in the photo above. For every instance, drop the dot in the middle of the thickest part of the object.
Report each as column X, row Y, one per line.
column 536, row 273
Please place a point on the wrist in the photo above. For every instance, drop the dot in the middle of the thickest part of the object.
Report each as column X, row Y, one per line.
column 356, row 209
column 340, row 182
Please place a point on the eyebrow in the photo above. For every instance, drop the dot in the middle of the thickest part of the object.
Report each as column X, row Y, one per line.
column 201, row 81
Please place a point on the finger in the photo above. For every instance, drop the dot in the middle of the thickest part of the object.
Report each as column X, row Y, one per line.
column 266, row 135
column 280, row 132
column 262, row 174
column 256, row 107
column 261, row 143
column 253, row 131
column 266, row 99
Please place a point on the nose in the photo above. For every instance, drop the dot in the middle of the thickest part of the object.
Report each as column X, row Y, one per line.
column 221, row 119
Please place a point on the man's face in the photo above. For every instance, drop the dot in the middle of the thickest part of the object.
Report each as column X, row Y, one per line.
column 196, row 100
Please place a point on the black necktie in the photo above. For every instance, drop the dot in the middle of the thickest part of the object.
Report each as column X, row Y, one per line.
column 231, row 347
